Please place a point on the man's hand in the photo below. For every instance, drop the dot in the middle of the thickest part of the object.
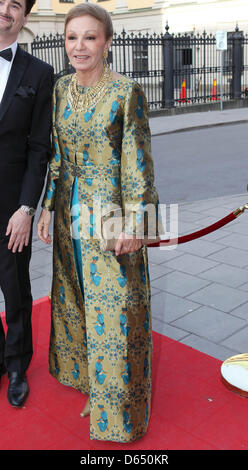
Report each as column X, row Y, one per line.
column 18, row 228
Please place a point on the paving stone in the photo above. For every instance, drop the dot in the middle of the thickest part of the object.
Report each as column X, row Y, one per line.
column 216, row 235
column 238, row 341
column 241, row 311
column 236, row 240
column 191, row 264
column 232, row 256
column 235, row 202
column 208, row 347
column 34, row 274
column 203, row 205
column 37, row 245
column 245, row 285
column 171, row 254
column 200, row 247
column 188, row 216
column 237, row 226
column 217, row 212
column 168, row 330
column 179, row 283
column 158, row 255
column 219, row 297
column 187, row 227
column 40, row 258
column 41, row 287
column 47, row 269
column 49, row 248
column 210, row 323
column 154, row 291
column 156, row 271
column 206, row 220
column 227, row 275
column 168, row 307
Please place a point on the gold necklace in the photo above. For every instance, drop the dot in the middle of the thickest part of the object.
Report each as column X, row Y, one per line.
column 82, row 102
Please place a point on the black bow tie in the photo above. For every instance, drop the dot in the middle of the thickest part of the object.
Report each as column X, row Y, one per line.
column 7, row 54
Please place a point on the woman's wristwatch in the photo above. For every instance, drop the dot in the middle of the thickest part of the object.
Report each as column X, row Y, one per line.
column 28, row 210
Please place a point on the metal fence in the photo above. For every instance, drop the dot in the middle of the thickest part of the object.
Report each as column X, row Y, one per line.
column 174, row 70
column 51, row 49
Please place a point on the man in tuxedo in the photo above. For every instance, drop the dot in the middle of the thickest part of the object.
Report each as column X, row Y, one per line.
column 25, row 126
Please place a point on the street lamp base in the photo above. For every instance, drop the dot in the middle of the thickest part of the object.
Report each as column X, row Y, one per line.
column 234, row 374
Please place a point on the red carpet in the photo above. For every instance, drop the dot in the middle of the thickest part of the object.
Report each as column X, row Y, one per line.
column 191, row 409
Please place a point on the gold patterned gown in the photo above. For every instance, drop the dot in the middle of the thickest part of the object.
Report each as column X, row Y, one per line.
column 101, row 337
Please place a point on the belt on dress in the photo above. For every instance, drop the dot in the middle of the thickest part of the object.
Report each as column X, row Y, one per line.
column 91, row 171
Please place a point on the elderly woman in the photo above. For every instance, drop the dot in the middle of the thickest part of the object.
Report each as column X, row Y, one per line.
column 101, row 341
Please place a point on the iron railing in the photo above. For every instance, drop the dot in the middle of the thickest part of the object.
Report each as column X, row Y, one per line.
column 174, row 70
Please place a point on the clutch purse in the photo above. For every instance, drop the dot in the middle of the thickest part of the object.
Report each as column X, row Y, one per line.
column 110, row 244
column 112, row 225
column 111, row 228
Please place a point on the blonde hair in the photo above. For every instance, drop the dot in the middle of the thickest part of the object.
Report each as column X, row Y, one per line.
column 94, row 10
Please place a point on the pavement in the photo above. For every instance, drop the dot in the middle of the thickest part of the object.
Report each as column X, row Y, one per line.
column 197, row 120
column 200, row 288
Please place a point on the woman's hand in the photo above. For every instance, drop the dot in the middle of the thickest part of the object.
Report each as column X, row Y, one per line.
column 127, row 244
column 43, row 226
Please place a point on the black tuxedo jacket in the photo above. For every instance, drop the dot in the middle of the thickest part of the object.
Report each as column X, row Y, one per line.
column 25, row 128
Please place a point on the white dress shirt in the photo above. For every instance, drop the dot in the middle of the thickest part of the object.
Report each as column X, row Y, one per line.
column 5, row 67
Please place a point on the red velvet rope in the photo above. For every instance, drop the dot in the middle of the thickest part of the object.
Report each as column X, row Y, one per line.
column 199, row 233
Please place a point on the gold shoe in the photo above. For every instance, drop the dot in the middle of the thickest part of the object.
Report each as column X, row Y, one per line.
column 86, row 410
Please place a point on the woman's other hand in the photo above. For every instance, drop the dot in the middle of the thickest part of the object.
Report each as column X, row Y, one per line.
column 127, row 244
column 43, row 226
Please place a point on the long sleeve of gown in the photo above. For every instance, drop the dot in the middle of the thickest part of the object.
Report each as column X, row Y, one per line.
column 139, row 195
column 54, row 164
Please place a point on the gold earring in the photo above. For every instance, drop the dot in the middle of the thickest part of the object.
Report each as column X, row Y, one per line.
column 105, row 59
